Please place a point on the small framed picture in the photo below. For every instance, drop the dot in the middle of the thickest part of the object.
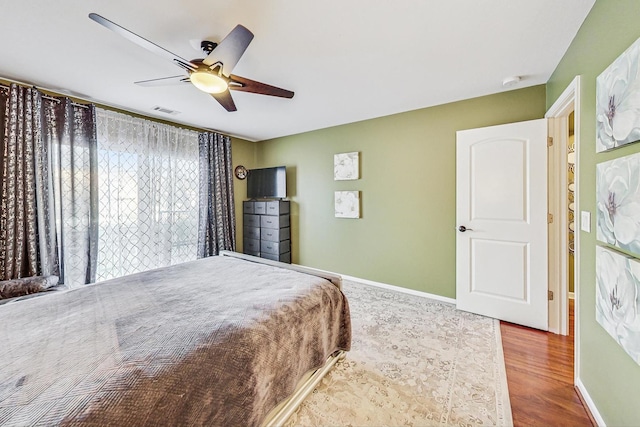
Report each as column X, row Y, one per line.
column 346, row 166
column 347, row 204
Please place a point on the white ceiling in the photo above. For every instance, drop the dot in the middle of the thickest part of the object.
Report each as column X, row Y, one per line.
column 346, row 60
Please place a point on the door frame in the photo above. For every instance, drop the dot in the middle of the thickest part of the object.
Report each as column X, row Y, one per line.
column 558, row 114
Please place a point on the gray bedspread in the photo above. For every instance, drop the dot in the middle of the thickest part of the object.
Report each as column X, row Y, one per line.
column 217, row 342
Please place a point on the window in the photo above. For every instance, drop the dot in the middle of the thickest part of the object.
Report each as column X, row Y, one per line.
column 148, row 194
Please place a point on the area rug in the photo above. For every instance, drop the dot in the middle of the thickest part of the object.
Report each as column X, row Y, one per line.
column 414, row 362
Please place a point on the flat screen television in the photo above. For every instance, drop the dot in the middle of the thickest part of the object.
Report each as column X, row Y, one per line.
column 267, row 183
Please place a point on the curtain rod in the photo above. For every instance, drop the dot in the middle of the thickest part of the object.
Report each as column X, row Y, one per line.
column 51, row 98
column 75, row 104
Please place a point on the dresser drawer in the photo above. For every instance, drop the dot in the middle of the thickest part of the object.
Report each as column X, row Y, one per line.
column 277, row 207
column 270, row 221
column 252, row 233
column 260, row 208
column 285, row 257
column 247, row 207
column 267, row 247
column 275, row 234
column 251, row 246
column 251, row 220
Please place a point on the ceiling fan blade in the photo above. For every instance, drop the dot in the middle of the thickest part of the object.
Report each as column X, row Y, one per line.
column 225, row 100
column 229, row 50
column 141, row 41
column 246, row 85
column 165, row 81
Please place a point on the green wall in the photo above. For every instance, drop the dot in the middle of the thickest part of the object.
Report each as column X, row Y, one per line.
column 243, row 153
column 406, row 236
column 610, row 376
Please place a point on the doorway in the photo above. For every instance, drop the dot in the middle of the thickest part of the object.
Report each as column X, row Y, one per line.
column 564, row 205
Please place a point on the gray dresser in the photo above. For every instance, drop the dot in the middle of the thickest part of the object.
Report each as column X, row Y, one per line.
column 267, row 229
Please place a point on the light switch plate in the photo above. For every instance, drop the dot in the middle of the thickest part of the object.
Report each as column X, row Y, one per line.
column 585, row 221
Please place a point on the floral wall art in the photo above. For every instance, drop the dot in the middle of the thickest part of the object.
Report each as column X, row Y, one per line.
column 618, row 203
column 617, row 291
column 346, row 166
column 347, row 204
column 618, row 101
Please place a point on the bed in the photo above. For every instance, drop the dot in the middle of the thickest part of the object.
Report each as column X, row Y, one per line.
column 221, row 341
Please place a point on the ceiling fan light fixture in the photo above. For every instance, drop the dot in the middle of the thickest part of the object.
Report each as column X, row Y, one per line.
column 208, row 82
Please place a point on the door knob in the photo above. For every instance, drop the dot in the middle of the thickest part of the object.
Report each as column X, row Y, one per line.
column 462, row 229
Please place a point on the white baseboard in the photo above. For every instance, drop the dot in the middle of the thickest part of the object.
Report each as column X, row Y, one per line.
column 400, row 289
column 592, row 406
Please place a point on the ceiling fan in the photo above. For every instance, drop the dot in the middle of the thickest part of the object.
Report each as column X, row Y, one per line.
column 211, row 74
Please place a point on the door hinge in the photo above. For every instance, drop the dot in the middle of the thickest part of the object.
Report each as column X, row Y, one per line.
column 549, row 218
column 550, row 294
column 549, row 141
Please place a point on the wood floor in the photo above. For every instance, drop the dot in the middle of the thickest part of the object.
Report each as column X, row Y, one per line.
column 540, row 376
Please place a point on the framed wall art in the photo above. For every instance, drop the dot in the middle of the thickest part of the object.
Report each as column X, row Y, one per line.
column 617, row 284
column 347, row 204
column 618, row 203
column 346, row 166
column 618, row 101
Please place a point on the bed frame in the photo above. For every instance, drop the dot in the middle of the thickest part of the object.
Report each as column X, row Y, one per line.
column 280, row 414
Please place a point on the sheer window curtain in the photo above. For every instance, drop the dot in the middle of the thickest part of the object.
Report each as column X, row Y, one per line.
column 46, row 227
column 217, row 225
column 148, row 186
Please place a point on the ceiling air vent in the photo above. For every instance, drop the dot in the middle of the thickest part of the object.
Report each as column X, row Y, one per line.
column 165, row 110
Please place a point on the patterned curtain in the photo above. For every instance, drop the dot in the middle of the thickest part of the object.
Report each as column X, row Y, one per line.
column 217, row 222
column 89, row 194
column 148, row 186
column 20, row 197
column 45, row 226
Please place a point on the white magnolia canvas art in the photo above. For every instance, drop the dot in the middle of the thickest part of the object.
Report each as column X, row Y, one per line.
column 618, row 203
column 617, row 290
column 346, row 166
column 347, row 204
column 618, row 101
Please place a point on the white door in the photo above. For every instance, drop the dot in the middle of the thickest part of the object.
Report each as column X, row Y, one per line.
column 501, row 220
